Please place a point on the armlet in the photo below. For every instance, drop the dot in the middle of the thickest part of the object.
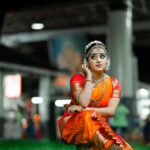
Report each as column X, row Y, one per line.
column 76, row 86
column 116, row 94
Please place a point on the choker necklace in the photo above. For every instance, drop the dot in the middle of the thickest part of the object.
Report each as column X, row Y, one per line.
column 95, row 82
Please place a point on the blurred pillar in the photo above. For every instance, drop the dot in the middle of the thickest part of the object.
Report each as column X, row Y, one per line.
column 1, row 106
column 120, row 46
column 44, row 92
column 1, row 94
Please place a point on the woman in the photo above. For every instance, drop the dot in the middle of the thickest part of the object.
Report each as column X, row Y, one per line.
column 94, row 98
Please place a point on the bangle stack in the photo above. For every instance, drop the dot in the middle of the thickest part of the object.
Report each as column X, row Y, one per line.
column 88, row 80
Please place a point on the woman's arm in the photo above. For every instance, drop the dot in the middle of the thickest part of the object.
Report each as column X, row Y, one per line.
column 83, row 96
column 113, row 103
column 108, row 111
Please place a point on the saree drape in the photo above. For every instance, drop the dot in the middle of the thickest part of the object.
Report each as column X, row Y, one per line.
column 81, row 127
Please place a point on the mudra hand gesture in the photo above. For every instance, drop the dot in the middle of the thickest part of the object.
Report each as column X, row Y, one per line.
column 75, row 109
column 86, row 71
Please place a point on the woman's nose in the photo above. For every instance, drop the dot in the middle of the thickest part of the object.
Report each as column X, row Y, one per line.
column 98, row 59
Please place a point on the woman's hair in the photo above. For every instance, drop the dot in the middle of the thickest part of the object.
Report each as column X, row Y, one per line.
column 96, row 44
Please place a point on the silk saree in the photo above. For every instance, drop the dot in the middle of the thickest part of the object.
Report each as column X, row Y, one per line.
column 81, row 128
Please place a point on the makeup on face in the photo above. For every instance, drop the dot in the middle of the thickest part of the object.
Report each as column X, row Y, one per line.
column 97, row 58
column 96, row 55
column 97, row 52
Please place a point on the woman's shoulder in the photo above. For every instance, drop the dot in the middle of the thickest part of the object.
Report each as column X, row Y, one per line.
column 78, row 77
column 114, row 78
column 115, row 82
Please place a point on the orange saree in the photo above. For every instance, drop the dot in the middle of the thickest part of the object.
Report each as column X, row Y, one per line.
column 81, row 127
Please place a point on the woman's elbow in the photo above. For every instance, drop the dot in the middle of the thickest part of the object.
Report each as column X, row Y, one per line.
column 111, row 113
column 84, row 105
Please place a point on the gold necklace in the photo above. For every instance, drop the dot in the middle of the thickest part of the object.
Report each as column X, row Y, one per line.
column 95, row 102
column 95, row 83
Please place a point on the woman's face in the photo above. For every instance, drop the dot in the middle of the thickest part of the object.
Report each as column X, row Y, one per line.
column 97, row 59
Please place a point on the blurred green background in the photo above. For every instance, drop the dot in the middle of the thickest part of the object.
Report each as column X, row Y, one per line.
column 48, row 145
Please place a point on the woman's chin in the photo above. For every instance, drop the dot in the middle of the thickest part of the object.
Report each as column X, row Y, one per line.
column 99, row 70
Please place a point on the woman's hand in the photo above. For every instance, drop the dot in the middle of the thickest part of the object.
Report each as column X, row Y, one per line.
column 95, row 114
column 75, row 109
column 86, row 71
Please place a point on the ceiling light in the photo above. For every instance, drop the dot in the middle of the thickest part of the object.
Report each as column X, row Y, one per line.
column 37, row 26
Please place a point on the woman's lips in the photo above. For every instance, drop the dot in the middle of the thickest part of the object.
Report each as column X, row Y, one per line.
column 99, row 65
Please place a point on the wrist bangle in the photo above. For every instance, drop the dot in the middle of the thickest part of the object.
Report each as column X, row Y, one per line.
column 88, row 80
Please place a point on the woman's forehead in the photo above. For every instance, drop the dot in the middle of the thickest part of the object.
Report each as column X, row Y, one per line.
column 97, row 50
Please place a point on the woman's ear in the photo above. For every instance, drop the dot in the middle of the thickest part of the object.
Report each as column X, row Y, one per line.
column 107, row 64
column 88, row 65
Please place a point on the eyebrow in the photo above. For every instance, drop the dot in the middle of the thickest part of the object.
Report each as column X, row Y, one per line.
column 97, row 53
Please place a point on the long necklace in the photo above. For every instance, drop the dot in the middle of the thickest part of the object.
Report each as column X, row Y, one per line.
column 96, row 101
column 102, row 92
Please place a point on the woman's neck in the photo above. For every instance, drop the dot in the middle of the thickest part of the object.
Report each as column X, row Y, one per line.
column 97, row 75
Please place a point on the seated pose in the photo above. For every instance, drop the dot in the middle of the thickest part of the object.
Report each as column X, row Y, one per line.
column 94, row 98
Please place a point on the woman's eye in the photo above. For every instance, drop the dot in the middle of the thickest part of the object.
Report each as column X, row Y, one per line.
column 93, row 57
column 102, row 56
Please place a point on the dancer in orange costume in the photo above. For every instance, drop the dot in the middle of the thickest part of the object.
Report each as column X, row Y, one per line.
column 94, row 97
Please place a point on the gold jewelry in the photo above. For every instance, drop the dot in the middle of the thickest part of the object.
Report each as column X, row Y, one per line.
column 69, row 111
column 98, row 81
column 76, row 86
column 88, row 80
column 96, row 101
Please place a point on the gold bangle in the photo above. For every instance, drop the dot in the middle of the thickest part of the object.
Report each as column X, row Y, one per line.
column 88, row 80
